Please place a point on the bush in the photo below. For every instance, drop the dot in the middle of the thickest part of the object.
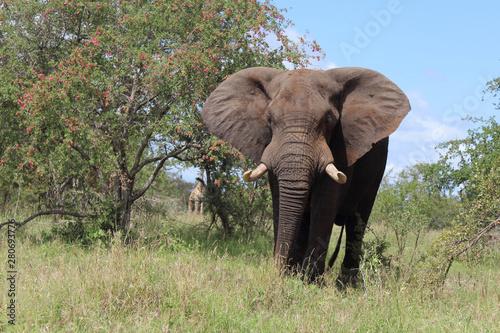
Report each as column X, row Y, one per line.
column 230, row 202
column 411, row 202
column 466, row 238
column 98, row 229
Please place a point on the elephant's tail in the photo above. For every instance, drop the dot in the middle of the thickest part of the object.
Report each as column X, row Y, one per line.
column 337, row 248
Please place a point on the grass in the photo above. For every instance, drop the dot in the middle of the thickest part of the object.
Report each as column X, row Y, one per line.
column 180, row 280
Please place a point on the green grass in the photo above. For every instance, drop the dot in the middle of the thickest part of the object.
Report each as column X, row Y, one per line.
column 180, row 280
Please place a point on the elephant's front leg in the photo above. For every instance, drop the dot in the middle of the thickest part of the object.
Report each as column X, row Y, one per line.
column 324, row 206
column 313, row 265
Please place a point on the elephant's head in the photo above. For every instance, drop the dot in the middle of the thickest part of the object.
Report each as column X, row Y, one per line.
column 300, row 125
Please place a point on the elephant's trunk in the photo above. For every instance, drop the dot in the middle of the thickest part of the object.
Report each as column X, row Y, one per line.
column 291, row 209
column 295, row 175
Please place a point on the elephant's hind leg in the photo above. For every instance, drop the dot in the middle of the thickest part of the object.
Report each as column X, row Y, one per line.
column 355, row 229
column 358, row 205
column 355, row 226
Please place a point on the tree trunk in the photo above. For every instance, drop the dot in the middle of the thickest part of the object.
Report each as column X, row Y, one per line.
column 125, row 214
column 123, row 194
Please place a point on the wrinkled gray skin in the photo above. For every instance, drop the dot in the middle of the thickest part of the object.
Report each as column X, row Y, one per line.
column 296, row 123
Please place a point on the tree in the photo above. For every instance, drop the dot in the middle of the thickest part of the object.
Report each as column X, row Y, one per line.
column 476, row 219
column 462, row 159
column 101, row 91
column 473, row 166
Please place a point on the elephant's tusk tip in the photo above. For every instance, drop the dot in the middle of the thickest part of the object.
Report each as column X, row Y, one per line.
column 246, row 176
column 336, row 175
column 342, row 178
column 253, row 175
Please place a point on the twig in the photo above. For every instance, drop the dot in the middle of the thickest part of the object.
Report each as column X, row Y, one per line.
column 470, row 243
column 362, row 270
column 47, row 212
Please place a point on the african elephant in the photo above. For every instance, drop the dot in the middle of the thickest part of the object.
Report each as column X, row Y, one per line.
column 322, row 136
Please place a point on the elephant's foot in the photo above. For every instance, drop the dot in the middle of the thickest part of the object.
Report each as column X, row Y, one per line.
column 348, row 277
column 312, row 271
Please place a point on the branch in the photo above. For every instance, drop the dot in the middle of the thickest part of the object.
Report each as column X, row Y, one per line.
column 137, row 166
column 80, row 151
column 65, row 183
column 470, row 243
column 47, row 212
column 146, row 101
column 118, row 146
column 133, row 92
column 473, row 241
column 161, row 160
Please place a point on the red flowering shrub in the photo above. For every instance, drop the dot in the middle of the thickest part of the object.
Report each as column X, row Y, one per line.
column 97, row 97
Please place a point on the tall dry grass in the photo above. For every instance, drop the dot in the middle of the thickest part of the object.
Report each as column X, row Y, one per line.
column 184, row 281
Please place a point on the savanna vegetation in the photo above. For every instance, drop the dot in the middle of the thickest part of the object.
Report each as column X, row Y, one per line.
column 100, row 105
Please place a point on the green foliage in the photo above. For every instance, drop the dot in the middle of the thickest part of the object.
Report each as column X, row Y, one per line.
column 466, row 240
column 411, row 202
column 96, row 230
column 99, row 96
column 85, row 234
column 231, row 201
column 471, row 165
column 462, row 159
column 376, row 264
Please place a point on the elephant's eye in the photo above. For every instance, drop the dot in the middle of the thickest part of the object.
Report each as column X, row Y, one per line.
column 329, row 119
column 269, row 119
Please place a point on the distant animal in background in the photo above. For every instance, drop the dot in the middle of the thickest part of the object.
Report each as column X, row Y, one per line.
column 195, row 202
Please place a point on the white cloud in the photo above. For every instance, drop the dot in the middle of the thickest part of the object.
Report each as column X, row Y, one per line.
column 293, row 34
column 419, row 134
column 330, row 65
column 393, row 168
column 418, row 101
column 419, row 129
column 423, row 125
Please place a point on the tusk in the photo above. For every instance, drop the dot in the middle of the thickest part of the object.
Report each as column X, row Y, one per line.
column 336, row 175
column 251, row 176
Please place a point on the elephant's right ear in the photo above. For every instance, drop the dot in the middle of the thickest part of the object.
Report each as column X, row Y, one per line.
column 235, row 111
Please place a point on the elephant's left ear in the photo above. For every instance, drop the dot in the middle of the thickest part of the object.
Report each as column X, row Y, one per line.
column 371, row 108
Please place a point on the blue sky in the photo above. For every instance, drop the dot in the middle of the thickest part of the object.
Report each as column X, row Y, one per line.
column 440, row 53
